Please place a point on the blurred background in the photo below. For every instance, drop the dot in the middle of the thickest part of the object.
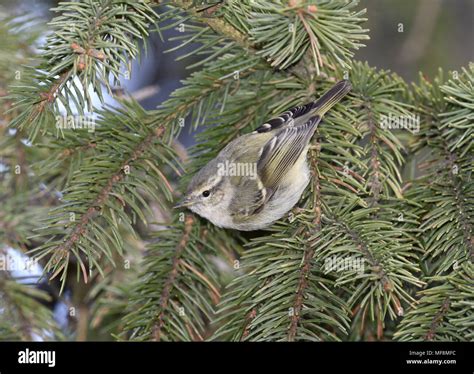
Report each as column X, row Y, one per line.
column 409, row 36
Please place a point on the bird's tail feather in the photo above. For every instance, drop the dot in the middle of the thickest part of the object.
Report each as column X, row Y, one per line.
column 331, row 97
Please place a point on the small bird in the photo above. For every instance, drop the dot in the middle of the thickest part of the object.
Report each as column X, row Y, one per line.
column 260, row 176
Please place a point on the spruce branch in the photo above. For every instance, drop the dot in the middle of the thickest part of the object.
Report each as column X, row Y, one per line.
column 103, row 39
column 165, row 294
column 180, row 283
column 214, row 21
column 93, row 199
column 24, row 317
column 245, row 23
column 362, row 224
column 79, row 230
column 309, row 251
column 438, row 319
column 444, row 308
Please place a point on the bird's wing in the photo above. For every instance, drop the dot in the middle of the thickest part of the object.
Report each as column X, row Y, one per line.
column 282, row 151
column 249, row 199
column 293, row 130
column 278, row 156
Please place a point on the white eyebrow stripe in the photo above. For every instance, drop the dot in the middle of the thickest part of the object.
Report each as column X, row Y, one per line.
column 213, row 183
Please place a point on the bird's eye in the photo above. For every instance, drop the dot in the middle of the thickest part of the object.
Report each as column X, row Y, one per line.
column 206, row 193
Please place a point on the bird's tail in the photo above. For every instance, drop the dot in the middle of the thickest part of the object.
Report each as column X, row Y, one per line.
column 331, row 97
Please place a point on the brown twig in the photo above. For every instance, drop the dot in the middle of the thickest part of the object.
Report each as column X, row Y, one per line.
column 373, row 262
column 309, row 251
column 248, row 320
column 70, row 151
column 166, row 293
column 438, row 318
column 374, row 179
column 49, row 96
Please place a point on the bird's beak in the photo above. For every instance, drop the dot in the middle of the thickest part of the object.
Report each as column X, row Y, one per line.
column 184, row 203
